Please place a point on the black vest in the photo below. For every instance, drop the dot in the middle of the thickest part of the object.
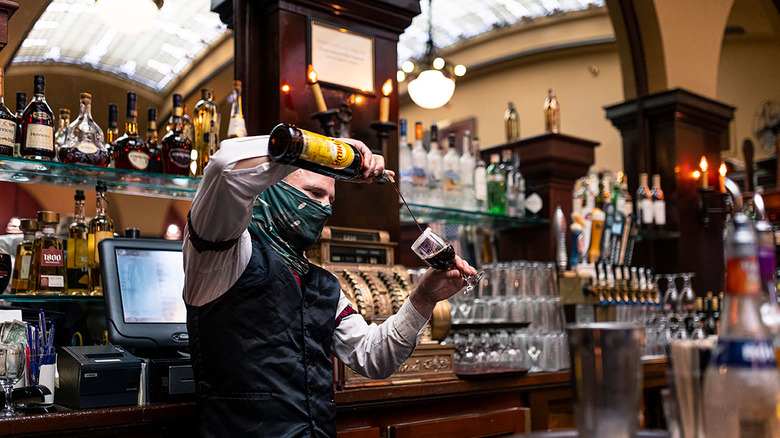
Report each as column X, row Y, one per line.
column 261, row 352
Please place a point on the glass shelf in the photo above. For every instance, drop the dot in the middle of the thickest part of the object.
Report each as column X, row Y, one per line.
column 48, row 298
column 131, row 182
column 427, row 213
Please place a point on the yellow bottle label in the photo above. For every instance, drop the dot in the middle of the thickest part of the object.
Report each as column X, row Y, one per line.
column 94, row 239
column 326, row 151
column 78, row 253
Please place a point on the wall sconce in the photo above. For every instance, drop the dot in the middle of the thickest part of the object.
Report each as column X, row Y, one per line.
column 725, row 191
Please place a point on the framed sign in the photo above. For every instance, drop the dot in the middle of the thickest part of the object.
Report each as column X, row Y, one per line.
column 342, row 57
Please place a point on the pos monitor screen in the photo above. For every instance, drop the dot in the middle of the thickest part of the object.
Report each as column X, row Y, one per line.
column 143, row 280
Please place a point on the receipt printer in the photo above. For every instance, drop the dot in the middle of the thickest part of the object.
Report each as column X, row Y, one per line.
column 97, row 376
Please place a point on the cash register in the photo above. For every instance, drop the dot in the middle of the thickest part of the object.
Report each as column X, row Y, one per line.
column 143, row 280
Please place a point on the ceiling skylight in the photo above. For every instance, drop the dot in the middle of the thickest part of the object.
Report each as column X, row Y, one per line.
column 70, row 32
column 454, row 20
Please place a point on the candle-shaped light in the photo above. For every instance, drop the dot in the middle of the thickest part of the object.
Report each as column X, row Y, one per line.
column 316, row 91
column 384, row 104
column 703, row 166
column 722, row 177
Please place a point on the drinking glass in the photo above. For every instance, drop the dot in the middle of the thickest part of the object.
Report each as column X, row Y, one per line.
column 12, row 361
column 439, row 254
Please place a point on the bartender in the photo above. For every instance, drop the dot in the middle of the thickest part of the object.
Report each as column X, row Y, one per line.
column 263, row 321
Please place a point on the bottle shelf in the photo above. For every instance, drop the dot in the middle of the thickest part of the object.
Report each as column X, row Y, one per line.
column 48, row 298
column 20, row 170
column 427, row 213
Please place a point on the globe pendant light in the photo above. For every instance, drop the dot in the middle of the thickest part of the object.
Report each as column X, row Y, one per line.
column 434, row 86
column 129, row 17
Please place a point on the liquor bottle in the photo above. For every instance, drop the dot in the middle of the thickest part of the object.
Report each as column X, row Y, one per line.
column 742, row 381
column 552, row 113
column 768, row 308
column 288, row 144
column 496, row 186
column 419, row 166
column 511, row 122
column 452, row 184
column 100, row 227
column 7, row 124
column 38, row 126
column 628, row 208
column 519, row 186
column 597, row 228
column 78, row 250
column 85, row 143
column 508, row 169
column 644, row 201
column 21, row 104
column 155, row 152
column 237, row 125
column 659, row 204
column 602, row 196
column 709, row 322
column 130, row 151
column 61, row 136
column 176, row 146
column 435, row 170
column 405, row 163
column 480, row 179
column 48, row 274
column 467, row 167
column 23, row 262
column 187, row 127
column 112, row 133
column 206, row 131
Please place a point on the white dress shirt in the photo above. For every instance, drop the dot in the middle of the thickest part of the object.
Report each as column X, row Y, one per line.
column 222, row 211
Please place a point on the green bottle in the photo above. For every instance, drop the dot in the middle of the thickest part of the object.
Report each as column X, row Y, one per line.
column 496, row 186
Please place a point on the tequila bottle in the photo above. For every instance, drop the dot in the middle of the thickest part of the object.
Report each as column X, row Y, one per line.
column 435, row 170
column 85, row 142
column 100, row 227
column 78, row 250
column 23, row 262
column 48, row 275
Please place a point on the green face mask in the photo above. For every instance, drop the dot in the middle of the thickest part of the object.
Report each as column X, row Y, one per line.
column 291, row 221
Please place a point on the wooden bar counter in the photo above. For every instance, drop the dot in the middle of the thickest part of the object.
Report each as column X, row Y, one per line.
column 506, row 405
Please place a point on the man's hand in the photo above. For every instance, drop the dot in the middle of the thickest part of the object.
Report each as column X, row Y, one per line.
column 436, row 285
column 373, row 165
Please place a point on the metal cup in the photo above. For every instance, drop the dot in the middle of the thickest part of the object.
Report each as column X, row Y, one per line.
column 606, row 378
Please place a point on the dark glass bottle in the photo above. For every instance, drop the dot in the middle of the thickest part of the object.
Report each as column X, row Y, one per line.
column 176, row 145
column 155, row 153
column 131, row 152
column 21, row 103
column 7, row 124
column 112, row 133
column 37, row 140
column 288, row 144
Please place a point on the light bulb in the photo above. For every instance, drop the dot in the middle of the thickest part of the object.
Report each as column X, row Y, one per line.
column 407, row 66
column 438, row 63
column 431, row 89
column 128, row 17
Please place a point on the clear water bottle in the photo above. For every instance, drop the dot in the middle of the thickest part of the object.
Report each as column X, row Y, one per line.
column 742, row 381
